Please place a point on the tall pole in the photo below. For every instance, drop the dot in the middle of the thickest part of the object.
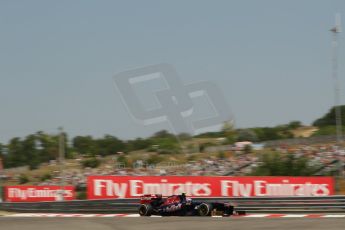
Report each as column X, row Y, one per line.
column 1, row 175
column 335, row 30
column 61, row 162
column 338, row 122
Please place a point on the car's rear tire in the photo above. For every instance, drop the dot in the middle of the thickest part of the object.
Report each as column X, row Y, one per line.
column 228, row 210
column 145, row 210
column 205, row 209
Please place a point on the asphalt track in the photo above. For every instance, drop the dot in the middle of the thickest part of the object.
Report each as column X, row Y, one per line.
column 167, row 223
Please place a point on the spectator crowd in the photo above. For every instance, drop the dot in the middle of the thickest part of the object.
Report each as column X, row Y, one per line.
column 323, row 156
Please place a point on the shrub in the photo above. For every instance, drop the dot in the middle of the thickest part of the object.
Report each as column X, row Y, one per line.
column 221, row 155
column 191, row 158
column 23, row 179
column 123, row 159
column 247, row 149
column 46, row 176
column 277, row 164
column 81, row 195
column 91, row 162
column 154, row 159
column 203, row 146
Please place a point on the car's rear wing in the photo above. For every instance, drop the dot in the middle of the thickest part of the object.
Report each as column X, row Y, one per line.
column 148, row 198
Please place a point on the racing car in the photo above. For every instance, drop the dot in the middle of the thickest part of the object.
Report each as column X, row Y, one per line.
column 180, row 205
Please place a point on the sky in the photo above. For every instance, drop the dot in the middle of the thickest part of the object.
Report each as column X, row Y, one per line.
column 270, row 58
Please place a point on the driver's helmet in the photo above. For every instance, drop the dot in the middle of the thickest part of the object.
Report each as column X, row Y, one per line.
column 183, row 197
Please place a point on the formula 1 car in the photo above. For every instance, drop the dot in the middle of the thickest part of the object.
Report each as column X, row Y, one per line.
column 180, row 205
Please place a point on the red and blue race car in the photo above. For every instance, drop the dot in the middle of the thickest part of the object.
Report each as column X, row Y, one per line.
column 180, row 205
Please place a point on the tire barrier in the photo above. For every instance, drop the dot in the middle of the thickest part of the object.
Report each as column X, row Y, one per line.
column 330, row 204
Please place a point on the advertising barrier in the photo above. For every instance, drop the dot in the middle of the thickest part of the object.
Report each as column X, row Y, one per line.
column 38, row 193
column 110, row 187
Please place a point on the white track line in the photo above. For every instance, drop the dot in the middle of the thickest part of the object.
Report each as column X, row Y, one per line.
column 69, row 215
column 294, row 216
column 108, row 215
column 257, row 215
column 331, row 216
column 132, row 215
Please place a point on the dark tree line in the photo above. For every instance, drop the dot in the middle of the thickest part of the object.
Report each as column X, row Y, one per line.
column 329, row 118
column 277, row 164
column 257, row 134
column 40, row 147
column 32, row 150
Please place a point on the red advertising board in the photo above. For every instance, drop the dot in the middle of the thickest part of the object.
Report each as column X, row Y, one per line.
column 37, row 193
column 110, row 187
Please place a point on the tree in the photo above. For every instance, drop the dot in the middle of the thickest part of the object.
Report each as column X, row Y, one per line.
column 272, row 133
column 266, row 134
column 32, row 150
column 163, row 134
column 138, row 144
column 229, row 132
column 247, row 135
column 329, row 118
column 47, row 146
column 2, row 156
column 165, row 142
column 84, row 145
column 210, row 135
column 31, row 154
column 294, row 124
column 247, row 149
column 15, row 155
column 184, row 136
column 2, row 150
column 109, row 145
column 91, row 162
column 23, row 179
column 277, row 164
column 327, row 130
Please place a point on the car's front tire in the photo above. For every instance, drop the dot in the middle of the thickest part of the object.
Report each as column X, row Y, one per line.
column 145, row 210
